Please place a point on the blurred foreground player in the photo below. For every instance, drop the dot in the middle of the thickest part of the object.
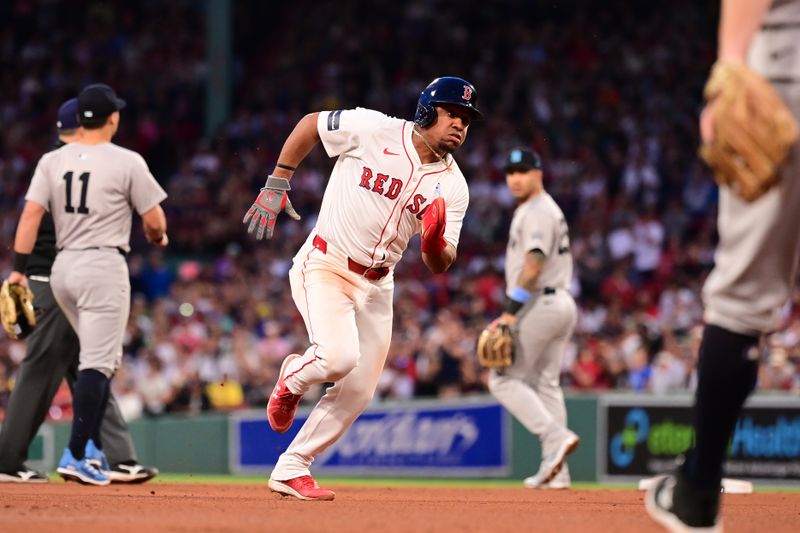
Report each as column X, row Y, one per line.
column 749, row 132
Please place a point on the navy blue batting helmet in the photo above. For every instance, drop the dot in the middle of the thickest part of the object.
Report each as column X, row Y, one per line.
column 446, row 90
column 68, row 115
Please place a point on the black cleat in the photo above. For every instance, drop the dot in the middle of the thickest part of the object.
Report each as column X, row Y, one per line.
column 131, row 473
column 681, row 508
column 23, row 475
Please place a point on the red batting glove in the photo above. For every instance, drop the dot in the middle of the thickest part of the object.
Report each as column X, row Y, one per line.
column 433, row 222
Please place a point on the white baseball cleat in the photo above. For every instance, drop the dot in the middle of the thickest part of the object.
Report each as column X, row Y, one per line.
column 565, row 443
column 561, row 480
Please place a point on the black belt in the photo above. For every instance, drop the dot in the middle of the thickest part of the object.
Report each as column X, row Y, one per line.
column 121, row 250
column 775, row 26
column 547, row 291
column 783, row 80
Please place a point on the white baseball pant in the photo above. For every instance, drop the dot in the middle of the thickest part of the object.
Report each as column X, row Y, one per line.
column 530, row 387
column 93, row 289
column 349, row 323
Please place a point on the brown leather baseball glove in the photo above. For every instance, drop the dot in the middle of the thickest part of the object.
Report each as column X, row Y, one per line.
column 16, row 310
column 496, row 346
column 753, row 130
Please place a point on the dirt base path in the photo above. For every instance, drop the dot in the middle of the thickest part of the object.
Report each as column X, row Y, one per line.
column 66, row 507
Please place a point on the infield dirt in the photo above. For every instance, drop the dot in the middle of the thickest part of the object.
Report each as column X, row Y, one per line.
column 156, row 507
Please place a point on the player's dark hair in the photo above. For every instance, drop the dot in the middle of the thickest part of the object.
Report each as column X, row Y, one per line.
column 94, row 123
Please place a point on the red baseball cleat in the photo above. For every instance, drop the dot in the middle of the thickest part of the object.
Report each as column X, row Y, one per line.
column 303, row 488
column 282, row 404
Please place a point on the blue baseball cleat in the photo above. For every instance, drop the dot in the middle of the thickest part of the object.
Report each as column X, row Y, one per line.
column 80, row 470
column 96, row 457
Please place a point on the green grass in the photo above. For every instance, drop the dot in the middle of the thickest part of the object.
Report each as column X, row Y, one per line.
column 375, row 482
column 408, row 482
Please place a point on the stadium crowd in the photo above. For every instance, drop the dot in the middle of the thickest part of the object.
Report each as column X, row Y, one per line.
column 611, row 108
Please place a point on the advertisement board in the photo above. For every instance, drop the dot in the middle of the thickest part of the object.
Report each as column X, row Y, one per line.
column 643, row 436
column 437, row 439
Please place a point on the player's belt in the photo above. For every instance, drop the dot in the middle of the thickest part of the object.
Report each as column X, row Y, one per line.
column 36, row 277
column 777, row 26
column 119, row 249
column 370, row 273
column 548, row 291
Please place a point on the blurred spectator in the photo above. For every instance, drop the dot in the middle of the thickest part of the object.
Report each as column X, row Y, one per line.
column 156, row 393
column 191, row 398
column 225, row 394
column 588, row 371
column 778, row 373
column 668, row 373
column 612, row 113
column 639, row 371
column 155, row 278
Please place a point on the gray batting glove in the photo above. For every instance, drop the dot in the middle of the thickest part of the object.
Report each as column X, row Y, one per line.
column 272, row 200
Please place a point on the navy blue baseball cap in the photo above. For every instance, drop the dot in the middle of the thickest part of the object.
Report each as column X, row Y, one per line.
column 68, row 115
column 522, row 158
column 98, row 101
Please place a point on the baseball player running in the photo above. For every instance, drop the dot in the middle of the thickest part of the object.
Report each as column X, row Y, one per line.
column 758, row 241
column 90, row 188
column 542, row 313
column 52, row 354
column 392, row 179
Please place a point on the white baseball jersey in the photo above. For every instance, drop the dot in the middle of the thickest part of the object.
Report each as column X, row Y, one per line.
column 539, row 224
column 90, row 190
column 379, row 188
column 372, row 206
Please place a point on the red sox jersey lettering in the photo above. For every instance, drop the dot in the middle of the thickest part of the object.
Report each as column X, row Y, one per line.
column 378, row 185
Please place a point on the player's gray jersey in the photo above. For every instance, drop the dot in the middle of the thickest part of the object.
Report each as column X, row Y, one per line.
column 782, row 12
column 91, row 191
column 539, row 224
column 756, row 258
column 775, row 52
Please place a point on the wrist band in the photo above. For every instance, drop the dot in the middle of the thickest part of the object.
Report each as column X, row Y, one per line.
column 20, row 262
column 521, row 295
column 512, row 306
column 280, row 184
column 518, row 298
column 286, row 167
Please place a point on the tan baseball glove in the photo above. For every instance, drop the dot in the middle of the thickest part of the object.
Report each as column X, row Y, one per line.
column 753, row 130
column 496, row 346
column 16, row 310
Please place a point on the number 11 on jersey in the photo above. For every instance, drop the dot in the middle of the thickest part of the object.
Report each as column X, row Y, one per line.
column 84, row 179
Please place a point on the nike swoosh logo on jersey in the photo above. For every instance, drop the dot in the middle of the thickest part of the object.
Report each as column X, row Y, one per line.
column 387, row 152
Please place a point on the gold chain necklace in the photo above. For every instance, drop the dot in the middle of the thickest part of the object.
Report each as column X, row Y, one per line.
column 434, row 152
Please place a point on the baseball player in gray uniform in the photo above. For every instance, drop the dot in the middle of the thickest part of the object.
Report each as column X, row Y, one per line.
column 753, row 276
column 543, row 314
column 90, row 187
column 51, row 355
